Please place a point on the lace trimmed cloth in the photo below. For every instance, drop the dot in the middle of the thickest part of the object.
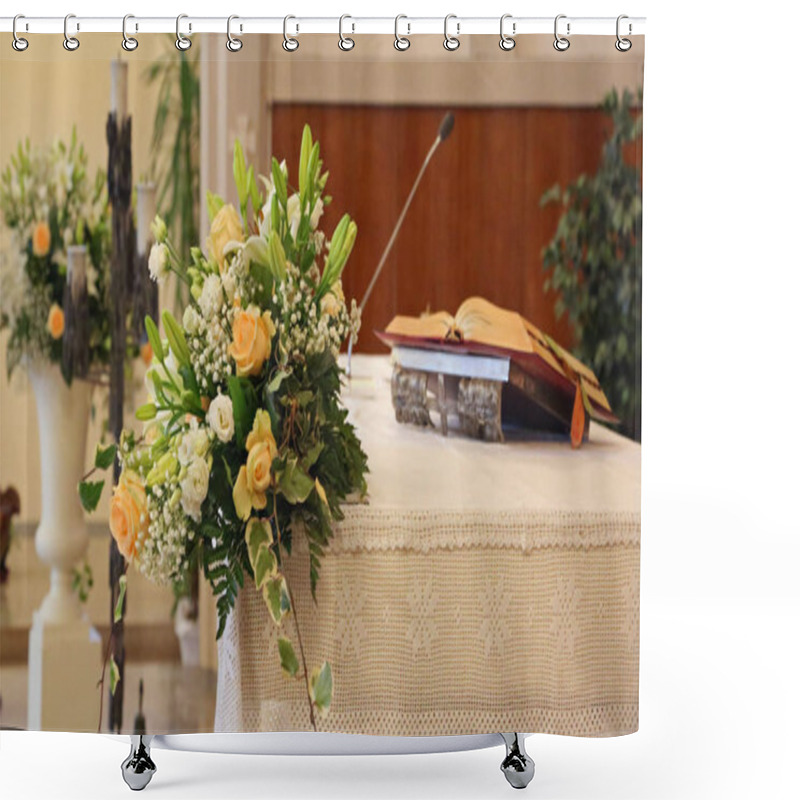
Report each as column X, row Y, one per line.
column 483, row 588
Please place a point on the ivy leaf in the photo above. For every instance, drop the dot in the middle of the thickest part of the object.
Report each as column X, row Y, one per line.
column 258, row 537
column 276, row 382
column 104, row 456
column 276, row 596
column 321, row 688
column 123, row 587
column 114, row 675
column 289, row 662
column 295, row 485
column 90, row 492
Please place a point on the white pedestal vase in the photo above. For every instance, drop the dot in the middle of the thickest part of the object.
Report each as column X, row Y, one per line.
column 64, row 651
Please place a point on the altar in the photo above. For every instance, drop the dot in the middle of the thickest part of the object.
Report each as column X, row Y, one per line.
column 481, row 587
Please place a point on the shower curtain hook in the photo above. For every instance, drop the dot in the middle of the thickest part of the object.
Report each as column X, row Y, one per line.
column 233, row 44
column 345, row 42
column 182, row 42
column 623, row 45
column 401, row 43
column 71, row 43
column 561, row 43
column 129, row 43
column 451, row 43
column 290, row 44
column 507, row 42
column 18, row 43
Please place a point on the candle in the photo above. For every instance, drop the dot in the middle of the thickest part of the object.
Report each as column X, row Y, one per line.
column 119, row 89
column 145, row 214
column 76, row 270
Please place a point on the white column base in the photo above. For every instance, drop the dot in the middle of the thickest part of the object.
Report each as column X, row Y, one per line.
column 64, row 663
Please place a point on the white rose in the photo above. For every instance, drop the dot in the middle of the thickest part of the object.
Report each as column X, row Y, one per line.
column 293, row 213
column 220, row 417
column 194, row 488
column 158, row 263
column 194, row 445
column 191, row 320
column 210, row 300
column 319, row 207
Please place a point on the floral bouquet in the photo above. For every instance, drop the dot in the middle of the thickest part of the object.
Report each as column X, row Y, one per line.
column 246, row 444
column 48, row 203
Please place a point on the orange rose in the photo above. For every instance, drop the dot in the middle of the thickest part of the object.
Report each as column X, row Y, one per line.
column 41, row 239
column 146, row 352
column 128, row 518
column 252, row 340
column 55, row 321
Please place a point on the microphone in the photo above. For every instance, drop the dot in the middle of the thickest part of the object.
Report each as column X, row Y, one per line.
column 445, row 129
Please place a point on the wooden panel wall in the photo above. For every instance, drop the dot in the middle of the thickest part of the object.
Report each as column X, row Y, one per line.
column 475, row 226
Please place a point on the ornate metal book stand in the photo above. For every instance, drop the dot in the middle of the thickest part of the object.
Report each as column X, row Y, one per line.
column 138, row 768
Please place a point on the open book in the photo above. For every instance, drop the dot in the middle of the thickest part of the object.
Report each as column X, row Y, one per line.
column 482, row 328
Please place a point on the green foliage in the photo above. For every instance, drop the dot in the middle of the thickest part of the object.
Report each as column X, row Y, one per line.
column 289, row 662
column 104, row 456
column 322, row 688
column 175, row 147
column 595, row 264
column 90, row 493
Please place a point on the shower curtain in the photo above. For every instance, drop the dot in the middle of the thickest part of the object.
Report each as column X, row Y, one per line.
column 270, row 462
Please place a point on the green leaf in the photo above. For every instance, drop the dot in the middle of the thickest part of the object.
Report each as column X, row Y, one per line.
column 154, row 338
column 176, row 339
column 114, row 675
column 104, row 456
column 90, row 492
column 123, row 588
column 279, row 181
column 321, row 688
column 243, row 397
column 276, row 596
column 289, row 662
column 294, row 483
column 276, row 382
column 258, row 537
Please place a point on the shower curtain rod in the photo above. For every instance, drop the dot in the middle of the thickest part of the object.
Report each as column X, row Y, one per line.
column 407, row 26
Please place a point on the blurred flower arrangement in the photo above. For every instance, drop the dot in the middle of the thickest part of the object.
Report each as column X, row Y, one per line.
column 246, row 443
column 48, row 203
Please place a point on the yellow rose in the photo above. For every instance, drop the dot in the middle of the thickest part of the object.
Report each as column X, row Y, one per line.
column 128, row 518
column 255, row 477
column 55, row 321
column 41, row 239
column 225, row 228
column 252, row 340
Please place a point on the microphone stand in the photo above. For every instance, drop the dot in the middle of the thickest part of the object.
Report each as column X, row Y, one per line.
column 445, row 129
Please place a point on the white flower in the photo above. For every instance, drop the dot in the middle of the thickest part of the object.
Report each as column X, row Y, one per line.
column 158, row 263
column 293, row 213
column 194, row 488
column 194, row 445
column 319, row 207
column 191, row 320
column 220, row 417
column 210, row 300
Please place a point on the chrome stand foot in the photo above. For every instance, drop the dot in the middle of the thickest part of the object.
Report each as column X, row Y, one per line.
column 517, row 766
column 138, row 768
